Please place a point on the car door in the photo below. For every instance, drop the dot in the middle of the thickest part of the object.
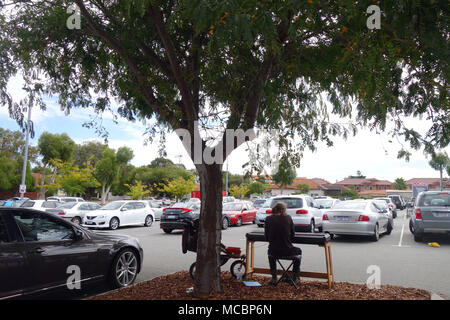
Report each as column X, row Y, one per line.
column 51, row 246
column 12, row 260
column 140, row 212
column 126, row 214
column 382, row 217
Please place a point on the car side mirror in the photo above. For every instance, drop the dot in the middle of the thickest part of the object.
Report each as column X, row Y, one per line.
column 124, row 209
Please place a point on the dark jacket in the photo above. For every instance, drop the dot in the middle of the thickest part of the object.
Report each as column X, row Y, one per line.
column 279, row 231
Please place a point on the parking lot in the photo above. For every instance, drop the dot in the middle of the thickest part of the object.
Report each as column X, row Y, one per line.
column 401, row 260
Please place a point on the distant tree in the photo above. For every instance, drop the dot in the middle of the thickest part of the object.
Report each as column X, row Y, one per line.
column 285, row 174
column 349, row 193
column 256, row 188
column 88, row 153
column 137, row 191
column 53, row 147
column 13, row 143
column 106, row 172
column 161, row 163
column 440, row 161
column 238, row 191
column 358, row 176
column 11, row 173
column 179, row 187
column 303, row 188
column 400, row 184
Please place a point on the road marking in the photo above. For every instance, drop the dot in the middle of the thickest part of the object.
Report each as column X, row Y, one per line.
column 401, row 236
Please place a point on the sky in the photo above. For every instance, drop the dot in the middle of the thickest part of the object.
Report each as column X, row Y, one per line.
column 371, row 153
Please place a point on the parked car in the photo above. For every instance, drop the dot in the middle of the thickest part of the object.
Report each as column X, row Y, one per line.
column 37, row 249
column 398, row 201
column 391, row 205
column 431, row 214
column 228, row 199
column 42, row 205
column 157, row 208
column 174, row 216
column 119, row 214
column 66, row 199
column 357, row 217
column 74, row 211
column 237, row 213
column 258, row 203
column 302, row 208
column 326, row 203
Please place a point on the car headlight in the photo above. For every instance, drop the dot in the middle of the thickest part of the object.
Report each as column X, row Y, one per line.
column 101, row 217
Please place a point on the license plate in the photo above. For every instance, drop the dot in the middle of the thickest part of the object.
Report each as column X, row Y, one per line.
column 171, row 217
column 88, row 222
column 442, row 215
column 342, row 218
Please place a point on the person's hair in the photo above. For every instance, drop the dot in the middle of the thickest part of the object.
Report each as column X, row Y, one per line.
column 279, row 208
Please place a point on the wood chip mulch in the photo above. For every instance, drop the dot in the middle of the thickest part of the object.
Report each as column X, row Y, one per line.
column 174, row 287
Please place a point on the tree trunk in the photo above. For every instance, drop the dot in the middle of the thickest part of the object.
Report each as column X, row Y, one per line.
column 42, row 190
column 440, row 182
column 103, row 198
column 207, row 273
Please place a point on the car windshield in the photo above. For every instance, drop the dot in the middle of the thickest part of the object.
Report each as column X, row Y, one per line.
column 325, row 203
column 69, row 205
column 186, row 205
column 112, row 206
column 291, row 203
column 27, row 204
column 232, row 207
column 259, row 203
column 351, row 205
column 441, row 199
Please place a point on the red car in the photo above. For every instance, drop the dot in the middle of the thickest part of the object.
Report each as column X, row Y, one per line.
column 237, row 213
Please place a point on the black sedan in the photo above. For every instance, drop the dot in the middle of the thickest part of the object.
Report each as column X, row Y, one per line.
column 39, row 252
column 174, row 217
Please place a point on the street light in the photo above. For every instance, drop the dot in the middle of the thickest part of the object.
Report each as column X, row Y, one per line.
column 23, row 187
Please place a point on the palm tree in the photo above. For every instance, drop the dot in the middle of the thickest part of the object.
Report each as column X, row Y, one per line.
column 440, row 161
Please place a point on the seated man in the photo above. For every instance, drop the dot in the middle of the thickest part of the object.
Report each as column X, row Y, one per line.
column 279, row 231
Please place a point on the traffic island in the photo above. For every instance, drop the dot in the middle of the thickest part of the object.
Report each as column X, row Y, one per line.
column 178, row 286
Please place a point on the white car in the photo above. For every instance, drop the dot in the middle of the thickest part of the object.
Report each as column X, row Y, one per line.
column 157, row 208
column 74, row 211
column 120, row 213
column 66, row 199
column 41, row 205
column 228, row 199
column 305, row 213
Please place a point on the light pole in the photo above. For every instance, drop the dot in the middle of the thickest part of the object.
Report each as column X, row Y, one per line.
column 23, row 187
column 226, row 180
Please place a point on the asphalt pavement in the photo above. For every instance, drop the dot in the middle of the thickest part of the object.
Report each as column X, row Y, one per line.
column 398, row 258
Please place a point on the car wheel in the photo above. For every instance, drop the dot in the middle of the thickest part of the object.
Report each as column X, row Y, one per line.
column 312, row 227
column 411, row 226
column 76, row 220
column 320, row 229
column 237, row 269
column 225, row 224
column 148, row 221
column 260, row 225
column 239, row 222
column 390, row 227
column 167, row 230
column 114, row 223
column 418, row 238
column 124, row 269
column 376, row 235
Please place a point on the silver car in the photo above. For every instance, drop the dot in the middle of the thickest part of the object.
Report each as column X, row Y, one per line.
column 302, row 208
column 358, row 217
column 431, row 214
column 74, row 211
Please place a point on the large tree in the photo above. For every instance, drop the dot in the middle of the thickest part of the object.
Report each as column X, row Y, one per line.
column 234, row 64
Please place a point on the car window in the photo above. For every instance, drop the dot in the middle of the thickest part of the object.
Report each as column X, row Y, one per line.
column 94, row 206
column 84, row 206
column 291, row 203
column 350, row 205
column 69, row 205
column 4, row 236
column 325, row 203
column 38, row 227
column 129, row 206
column 231, row 206
column 49, row 204
column 112, row 206
column 441, row 199
column 27, row 204
column 139, row 205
